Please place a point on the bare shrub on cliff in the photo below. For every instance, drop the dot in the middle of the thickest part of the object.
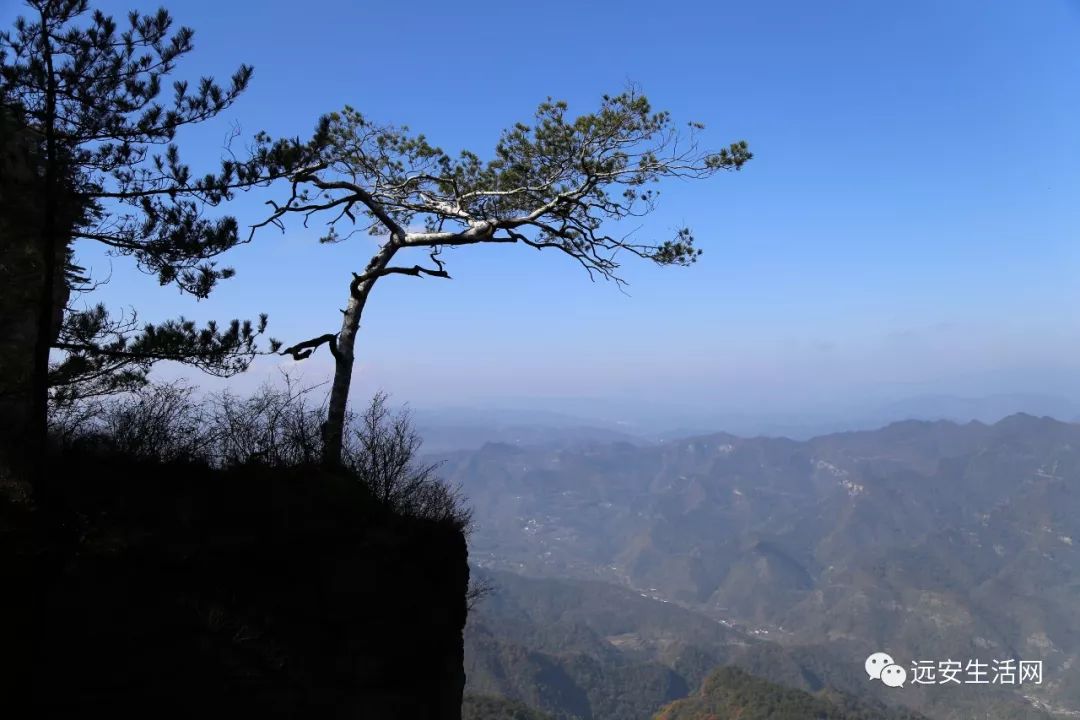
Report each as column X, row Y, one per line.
column 383, row 450
column 159, row 422
column 277, row 426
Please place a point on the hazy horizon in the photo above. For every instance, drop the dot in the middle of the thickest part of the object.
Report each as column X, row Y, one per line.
column 656, row 422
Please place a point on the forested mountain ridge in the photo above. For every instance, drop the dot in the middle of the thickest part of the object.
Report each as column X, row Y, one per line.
column 931, row 540
column 585, row 649
column 487, row 707
column 733, row 694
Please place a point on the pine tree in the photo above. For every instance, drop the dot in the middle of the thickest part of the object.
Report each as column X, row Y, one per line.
column 83, row 99
column 561, row 184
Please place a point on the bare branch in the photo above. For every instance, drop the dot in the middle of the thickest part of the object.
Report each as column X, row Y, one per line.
column 303, row 350
column 415, row 271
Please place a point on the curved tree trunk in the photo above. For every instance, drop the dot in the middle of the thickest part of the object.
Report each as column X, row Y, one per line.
column 333, row 430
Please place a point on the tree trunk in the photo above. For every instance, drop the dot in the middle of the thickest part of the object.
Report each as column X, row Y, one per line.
column 40, row 210
column 53, row 248
column 22, row 275
column 333, row 430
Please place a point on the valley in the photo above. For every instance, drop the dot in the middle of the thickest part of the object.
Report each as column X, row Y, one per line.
column 932, row 540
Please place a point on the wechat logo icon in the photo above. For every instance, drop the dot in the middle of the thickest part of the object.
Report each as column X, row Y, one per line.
column 881, row 666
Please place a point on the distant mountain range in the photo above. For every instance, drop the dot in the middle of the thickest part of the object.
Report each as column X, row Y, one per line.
column 446, row 438
column 929, row 540
column 469, row 428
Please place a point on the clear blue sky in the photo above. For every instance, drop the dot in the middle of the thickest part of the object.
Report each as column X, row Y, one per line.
column 909, row 223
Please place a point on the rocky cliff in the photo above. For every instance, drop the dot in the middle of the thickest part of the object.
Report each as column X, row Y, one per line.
column 173, row 590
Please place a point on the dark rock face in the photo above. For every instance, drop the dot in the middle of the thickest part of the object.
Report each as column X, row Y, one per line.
column 176, row 591
column 22, row 277
column 26, row 262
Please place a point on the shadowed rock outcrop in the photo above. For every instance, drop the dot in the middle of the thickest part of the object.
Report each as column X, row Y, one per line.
column 174, row 590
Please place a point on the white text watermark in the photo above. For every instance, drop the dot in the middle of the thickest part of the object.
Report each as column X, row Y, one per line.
column 1009, row 671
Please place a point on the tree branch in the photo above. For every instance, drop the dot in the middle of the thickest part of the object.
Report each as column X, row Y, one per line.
column 415, row 271
column 303, row 350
